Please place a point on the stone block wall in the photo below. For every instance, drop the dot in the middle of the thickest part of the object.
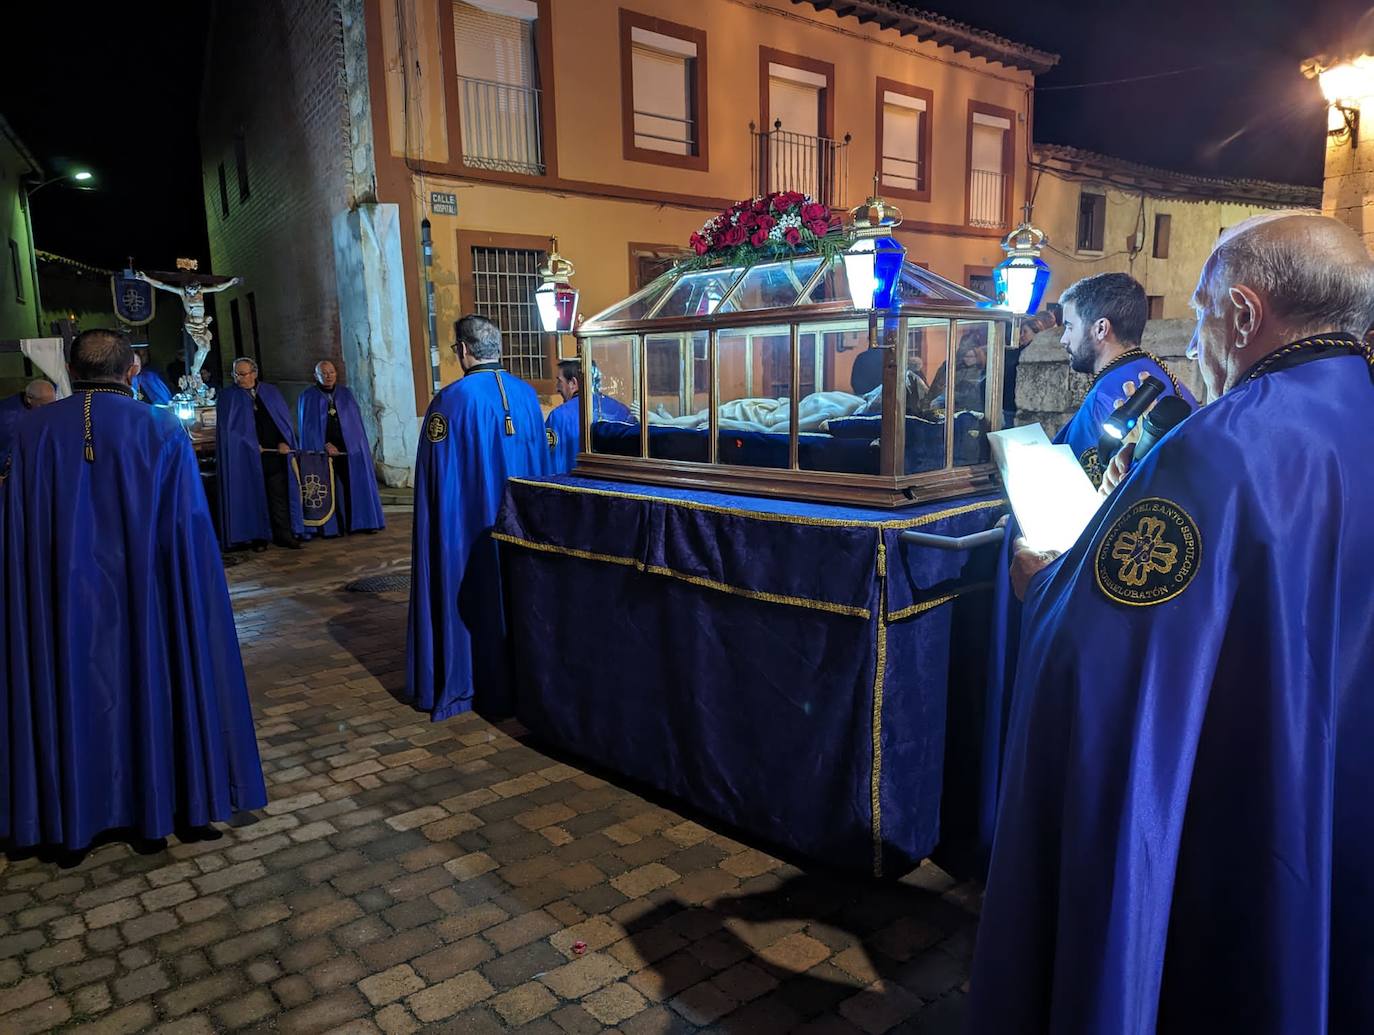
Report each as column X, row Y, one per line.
column 1049, row 392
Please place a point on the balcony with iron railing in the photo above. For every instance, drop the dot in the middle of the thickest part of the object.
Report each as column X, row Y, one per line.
column 782, row 160
column 501, row 126
column 987, row 203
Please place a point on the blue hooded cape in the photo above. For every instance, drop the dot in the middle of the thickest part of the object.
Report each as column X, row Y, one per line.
column 364, row 507
column 1186, row 835
column 566, row 424
column 12, row 410
column 1081, row 434
column 456, row 643
column 124, row 702
column 242, row 494
column 151, row 388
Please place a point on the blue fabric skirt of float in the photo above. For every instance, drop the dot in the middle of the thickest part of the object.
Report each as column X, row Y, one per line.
column 782, row 666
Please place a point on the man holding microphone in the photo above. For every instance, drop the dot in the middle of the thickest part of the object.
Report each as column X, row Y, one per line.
column 1186, row 836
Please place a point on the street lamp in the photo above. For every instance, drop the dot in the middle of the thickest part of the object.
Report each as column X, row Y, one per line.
column 1345, row 84
column 873, row 263
column 1020, row 279
column 556, row 297
column 81, row 176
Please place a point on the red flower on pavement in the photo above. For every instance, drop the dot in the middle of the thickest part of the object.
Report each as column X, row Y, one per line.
column 579, row 947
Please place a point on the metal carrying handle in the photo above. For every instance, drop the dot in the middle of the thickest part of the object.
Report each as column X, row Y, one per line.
column 954, row 544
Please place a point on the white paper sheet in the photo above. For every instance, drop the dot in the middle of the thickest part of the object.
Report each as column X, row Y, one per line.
column 48, row 356
column 1051, row 496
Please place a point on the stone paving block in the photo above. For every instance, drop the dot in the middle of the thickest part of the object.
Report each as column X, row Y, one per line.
column 26, row 993
column 452, row 959
column 323, row 1014
column 449, row 997
column 521, row 930
column 141, row 983
column 583, row 975
column 524, row 1003
column 641, row 881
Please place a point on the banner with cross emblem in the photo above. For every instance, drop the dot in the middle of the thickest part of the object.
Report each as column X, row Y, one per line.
column 134, row 300
column 316, row 476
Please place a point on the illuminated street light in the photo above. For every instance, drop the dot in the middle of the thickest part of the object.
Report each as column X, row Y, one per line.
column 84, row 177
column 1020, row 279
column 873, row 262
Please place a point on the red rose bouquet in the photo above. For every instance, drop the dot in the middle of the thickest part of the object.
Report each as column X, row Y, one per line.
column 773, row 226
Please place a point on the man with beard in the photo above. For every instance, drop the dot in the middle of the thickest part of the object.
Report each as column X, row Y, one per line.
column 1104, row 320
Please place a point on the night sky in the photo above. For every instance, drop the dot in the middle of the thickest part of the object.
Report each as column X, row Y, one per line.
column 114, row 88
column 120, row 94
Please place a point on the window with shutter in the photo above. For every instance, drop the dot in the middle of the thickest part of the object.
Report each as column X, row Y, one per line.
column 663, row 71
column 662, row 91
column 498, row 85
column 989, row 175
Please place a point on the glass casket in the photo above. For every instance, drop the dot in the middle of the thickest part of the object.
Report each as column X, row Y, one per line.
column 765, row 379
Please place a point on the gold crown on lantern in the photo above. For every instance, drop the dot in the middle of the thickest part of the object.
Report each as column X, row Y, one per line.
column 188, row 264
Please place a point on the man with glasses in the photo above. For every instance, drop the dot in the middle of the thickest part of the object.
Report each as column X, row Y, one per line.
column 479, row 431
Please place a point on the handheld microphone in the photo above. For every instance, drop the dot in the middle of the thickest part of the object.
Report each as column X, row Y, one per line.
column 1125, row 417
column 1167, row 415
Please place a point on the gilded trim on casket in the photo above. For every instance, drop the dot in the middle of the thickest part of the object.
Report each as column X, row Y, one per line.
column 695, row 580
column 787, row 519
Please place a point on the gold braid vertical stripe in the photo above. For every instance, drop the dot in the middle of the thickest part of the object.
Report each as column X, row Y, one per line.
column 879, row 672
column 90, row 442
column 505, row 403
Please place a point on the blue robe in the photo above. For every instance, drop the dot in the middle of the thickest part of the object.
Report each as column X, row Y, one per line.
column 12, row 408
column 1186, row 838
column 1081, row 434
column 150, row 388
column 124, row 702
column 566, row 424
column 242, row 494
column 364, row 504
column 455, row 648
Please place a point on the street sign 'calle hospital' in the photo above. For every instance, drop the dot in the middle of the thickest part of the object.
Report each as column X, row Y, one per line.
column 443, row 204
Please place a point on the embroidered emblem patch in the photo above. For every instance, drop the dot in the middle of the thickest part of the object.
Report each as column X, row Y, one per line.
column 1149, row 555
column 436, row 428
column 314, row 495
column 1092, row 466
column 552, row 436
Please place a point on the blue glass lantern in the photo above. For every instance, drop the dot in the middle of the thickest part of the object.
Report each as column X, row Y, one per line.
column 1021, row 278
column 873, row 263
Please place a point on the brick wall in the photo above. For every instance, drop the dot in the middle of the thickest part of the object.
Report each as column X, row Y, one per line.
column 274, row 72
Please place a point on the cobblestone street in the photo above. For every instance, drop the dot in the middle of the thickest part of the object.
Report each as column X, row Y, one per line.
column 408, row 876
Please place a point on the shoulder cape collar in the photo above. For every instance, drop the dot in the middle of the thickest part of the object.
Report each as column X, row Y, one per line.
column 103, row 386
column 1134, row 354
column 1305, row 350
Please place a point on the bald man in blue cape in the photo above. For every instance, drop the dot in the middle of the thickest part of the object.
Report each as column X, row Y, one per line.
column 15, row 407
column 330, row 422
column 147, row 384
column 565, row 422
column 482, row 429
column 259, row 485
column 1104, row 320
column 122, row 704
column 1186, row 840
